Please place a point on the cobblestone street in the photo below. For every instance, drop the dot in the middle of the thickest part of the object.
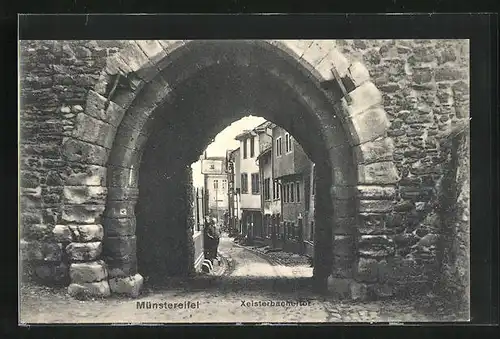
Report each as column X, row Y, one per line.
column 228, row 298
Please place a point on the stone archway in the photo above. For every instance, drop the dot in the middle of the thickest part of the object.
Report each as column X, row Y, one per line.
column 348, row 123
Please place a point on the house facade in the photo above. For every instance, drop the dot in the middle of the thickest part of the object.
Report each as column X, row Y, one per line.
column 216, row 187
column 250, row 179
column 292, row 172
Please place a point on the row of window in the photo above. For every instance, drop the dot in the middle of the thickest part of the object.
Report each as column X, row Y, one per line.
column 288, row 145
column 252, row 147
column 216, row 184
column 279, row 147
column 255, row 183
column 291, row 191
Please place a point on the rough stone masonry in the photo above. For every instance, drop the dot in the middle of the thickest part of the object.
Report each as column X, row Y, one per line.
column 398, row 233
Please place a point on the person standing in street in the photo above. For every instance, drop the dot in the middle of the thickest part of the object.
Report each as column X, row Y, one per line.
column 208, row 239
column 216, row 238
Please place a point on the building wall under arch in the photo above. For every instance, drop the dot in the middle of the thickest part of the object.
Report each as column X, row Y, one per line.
column 424, row 85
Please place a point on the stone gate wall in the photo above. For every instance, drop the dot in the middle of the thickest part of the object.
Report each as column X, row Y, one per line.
column 425, row 90
column 424, row 84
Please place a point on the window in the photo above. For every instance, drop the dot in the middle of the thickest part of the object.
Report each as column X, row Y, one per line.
column 276, row 190
column 298, row 191
column 292, row 192
column 288, row 143
column 279, row 150
column 216, row 184
column 314, row 180
column 255, row 183
column 244, row 183
column 252, row 147
column 244, row 148
column 267, row 189
column 224, row 184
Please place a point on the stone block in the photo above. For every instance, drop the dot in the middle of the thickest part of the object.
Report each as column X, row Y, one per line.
column 117, row 247
column 116, row 65
column 344, row 208
column 155, row 93
column 368, row 125
column 343, row 245
column 371, row 223
column 358, row 73
column 130, row 286
column 363, row 97
column 380, row 173
column 153, row 50
column 82, row 214
column 114, row 227
column 88, row 272
column 171, row 45
column 339, row 287
column 404, row 206
column 378, row 150
column 123, row 193
column 85, row 175
column 122, row 267
column 75, row 195
column 367, row 270
column 135, row 58
column 87, row 290
column 94, row 131
column 375, row 246
column 342, row 192
column 120, row 209
column 374, row 192
column 124, row 157
column 359, row 291
column 84, row 152
column 376, row 206
column 61, row 233
column 316, row 52
column 333, row 59
column 344, row 226
column 87, row 233
column 122, row 177
column 84, row 251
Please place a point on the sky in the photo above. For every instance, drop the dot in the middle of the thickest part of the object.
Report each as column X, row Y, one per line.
column 224, row 141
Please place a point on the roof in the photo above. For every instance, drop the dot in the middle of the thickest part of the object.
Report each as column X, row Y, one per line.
column 214, row 158
column 258, row 129
column 262, row 127
column 244, row 134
